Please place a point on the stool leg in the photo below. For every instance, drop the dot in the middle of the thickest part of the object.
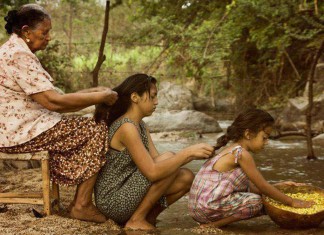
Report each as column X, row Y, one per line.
column 46, row 187
column 56, row 196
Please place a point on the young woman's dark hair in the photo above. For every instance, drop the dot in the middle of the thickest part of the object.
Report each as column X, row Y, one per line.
column 29, row 14
column 254, row 120
column 139, row 83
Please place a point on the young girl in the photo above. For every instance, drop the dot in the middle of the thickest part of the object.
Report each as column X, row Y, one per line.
column 228, row 186
column 137, row 183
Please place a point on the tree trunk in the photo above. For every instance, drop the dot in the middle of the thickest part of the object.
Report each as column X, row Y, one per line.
column 71, row 29
column 228, row 74
column 310, row 151
column 101, row 56
column 316, row 7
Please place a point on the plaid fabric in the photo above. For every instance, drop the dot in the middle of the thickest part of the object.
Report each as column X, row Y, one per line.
column 215, row 195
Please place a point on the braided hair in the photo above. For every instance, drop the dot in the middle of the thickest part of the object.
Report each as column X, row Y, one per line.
column 254, row 120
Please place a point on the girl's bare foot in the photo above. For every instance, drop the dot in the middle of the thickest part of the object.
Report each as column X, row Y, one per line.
column 87, row 213
column 139, row 225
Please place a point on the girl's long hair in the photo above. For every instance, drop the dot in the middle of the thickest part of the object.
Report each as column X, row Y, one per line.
column 139, row 83
column 254, row 120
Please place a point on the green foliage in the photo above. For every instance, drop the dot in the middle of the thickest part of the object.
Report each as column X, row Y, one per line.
column 270, row 48
column 55, row 63
column 266, row 42
column 269, row 44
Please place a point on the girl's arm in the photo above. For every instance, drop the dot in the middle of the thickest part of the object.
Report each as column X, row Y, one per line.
column 254, row 189
column 248, row 166
column 62, row 103
column 129, row 137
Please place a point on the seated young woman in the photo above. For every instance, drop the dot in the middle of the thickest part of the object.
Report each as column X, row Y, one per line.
column 137, row 183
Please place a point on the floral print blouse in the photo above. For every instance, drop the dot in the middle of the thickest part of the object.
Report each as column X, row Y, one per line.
column 21, row 75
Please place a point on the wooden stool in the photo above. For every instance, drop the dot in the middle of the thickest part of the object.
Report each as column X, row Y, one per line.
column 41, row 198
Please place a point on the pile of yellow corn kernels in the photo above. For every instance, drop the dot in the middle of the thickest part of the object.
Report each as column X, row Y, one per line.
column 313, row 196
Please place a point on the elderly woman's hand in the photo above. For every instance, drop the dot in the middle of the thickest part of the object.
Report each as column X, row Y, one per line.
column 111, row 97
column 93, row 89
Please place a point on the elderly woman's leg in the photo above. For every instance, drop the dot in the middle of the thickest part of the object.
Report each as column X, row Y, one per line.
column 83, row 207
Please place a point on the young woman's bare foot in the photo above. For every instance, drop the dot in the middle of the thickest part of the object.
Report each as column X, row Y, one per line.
column 139, row 225
column 88, row 213
column 151, row 217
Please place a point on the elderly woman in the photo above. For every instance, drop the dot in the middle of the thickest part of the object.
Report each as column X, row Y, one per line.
column 30, row 112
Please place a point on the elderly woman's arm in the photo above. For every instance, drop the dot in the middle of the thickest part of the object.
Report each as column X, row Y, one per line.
column 54, row 101
column 92, row 89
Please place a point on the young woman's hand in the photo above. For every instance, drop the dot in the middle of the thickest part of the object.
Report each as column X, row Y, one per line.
column 199, row 151
column 301, row 204
column 110, row 96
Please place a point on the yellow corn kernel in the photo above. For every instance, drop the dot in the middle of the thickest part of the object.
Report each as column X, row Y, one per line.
column 315, row 197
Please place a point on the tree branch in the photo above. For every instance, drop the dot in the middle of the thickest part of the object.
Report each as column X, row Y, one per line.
column 212, row 33
column 310, row 154
column 292, row 64
column 101, row 57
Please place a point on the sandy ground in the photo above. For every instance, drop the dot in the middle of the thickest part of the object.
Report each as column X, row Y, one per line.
column 20, row 219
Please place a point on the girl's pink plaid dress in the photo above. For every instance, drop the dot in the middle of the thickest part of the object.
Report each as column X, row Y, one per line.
column 215, row 195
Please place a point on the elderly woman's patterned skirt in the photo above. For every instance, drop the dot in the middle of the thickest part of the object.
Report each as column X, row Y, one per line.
column 77, row 147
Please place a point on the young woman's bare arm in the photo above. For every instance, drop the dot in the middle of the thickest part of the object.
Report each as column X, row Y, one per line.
column 153, row 151
column 156, row 170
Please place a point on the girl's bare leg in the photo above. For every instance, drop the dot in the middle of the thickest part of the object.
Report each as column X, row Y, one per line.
column 83, row 208
column 173, row 187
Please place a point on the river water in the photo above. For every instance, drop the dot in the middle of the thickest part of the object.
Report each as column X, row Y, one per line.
column 281, row 160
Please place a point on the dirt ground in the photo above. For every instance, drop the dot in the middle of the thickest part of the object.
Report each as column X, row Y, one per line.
column 20, row 219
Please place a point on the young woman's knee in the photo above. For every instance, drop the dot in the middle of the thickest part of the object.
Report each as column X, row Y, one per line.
column 186, row 177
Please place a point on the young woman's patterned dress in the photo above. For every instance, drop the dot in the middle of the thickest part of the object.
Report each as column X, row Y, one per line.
column 120, row 185
column 215, row 195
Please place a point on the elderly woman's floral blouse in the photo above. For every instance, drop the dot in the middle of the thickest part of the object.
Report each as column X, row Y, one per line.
column 21, row 75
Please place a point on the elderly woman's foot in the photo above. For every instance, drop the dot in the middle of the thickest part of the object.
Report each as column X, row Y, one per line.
column 69, row 208
column 88, row 213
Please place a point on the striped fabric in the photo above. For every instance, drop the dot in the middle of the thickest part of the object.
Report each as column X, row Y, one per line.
column 215, row 195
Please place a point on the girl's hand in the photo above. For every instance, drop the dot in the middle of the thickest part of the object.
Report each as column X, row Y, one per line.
column 199, row 151
column 290, row 183
column 110, row 96
column 301, row 204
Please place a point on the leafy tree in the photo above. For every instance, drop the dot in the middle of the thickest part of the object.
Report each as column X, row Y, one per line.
column 55, row 63
column 273, row 38
column 267, row 42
